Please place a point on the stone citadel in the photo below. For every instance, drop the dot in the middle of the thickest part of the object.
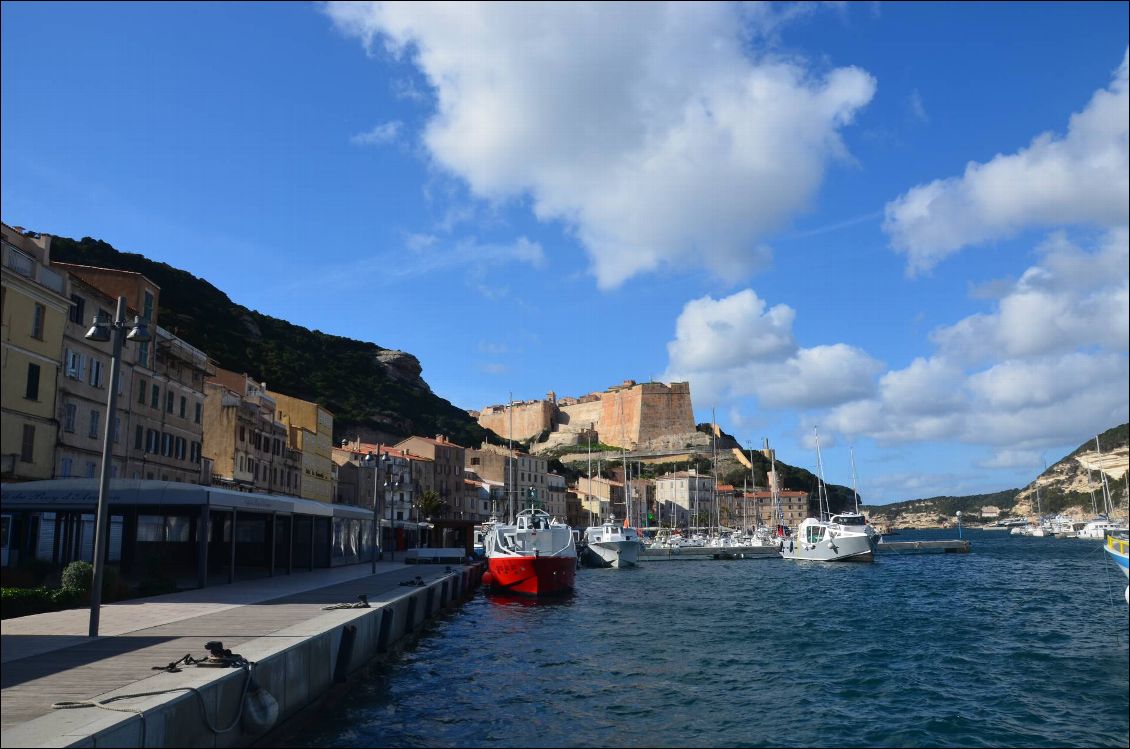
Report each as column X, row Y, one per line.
column 630, row 415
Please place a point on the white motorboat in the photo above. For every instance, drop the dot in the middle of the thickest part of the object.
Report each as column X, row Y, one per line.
column 845, row 537
column 1096, row 529
column 611, row 545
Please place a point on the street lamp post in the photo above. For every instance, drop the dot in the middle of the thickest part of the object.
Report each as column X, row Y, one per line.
column 391, row 524
column 101, row 331
column 376, row 461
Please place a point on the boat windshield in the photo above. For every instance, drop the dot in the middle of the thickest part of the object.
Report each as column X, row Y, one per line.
column 849, row 520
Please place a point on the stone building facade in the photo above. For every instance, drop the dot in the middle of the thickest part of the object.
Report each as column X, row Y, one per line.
column 310, row 432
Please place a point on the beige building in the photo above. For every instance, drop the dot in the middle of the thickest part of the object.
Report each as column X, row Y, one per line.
column 248, row 445
column 556, row 492
column 679, row 495
column 523, row 477
column 794, row 506
column 448, row 459
column 161, row 384
column 34, row 304
column 600, row 498
column 311, row 433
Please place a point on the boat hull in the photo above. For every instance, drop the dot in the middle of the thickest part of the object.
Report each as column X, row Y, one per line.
column 841, row 549
column 534, row 576
column 612, row 554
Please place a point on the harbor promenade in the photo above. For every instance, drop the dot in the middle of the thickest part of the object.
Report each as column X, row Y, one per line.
column 281, row 624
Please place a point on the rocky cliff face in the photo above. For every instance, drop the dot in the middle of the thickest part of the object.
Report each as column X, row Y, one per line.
column 404, row 368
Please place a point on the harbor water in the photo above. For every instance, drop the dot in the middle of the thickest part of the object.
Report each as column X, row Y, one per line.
column 1022, row 642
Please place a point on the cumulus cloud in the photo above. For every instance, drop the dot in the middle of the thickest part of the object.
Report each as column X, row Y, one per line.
column 1047, row 364
column 734, row 347
column 651, row 130
column 1082, row 177
column 384, row 133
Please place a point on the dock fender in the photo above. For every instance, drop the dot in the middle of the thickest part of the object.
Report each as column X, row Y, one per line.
column 260, row 709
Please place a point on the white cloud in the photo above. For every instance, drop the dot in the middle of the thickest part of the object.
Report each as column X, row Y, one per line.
column 1047, row 365
column 384, row 133
column 1080, row 178
column 1073, row 299
column 734, row 347
column 649, row 129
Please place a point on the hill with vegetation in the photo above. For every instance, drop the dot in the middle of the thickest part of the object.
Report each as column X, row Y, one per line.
column 1066, row 486
column 373, row 392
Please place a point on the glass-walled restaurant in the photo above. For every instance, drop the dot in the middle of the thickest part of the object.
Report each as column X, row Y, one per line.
column 195, row 535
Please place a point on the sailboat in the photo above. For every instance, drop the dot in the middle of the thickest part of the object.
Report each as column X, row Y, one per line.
column 839, row 538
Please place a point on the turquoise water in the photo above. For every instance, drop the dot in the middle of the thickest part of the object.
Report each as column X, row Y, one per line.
column 1023, row 643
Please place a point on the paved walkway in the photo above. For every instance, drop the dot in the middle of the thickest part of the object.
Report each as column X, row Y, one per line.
column 48, row 658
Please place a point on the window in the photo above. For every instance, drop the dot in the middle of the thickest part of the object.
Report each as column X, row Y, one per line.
column 66, row 465
column 91, row 469
column 32, row 391
column 183, row 406
column 155, row 402
column 242, row 434
column 166, row 444
column 27, row 446
column 141, row 392
column 37, row 321
column 95, row 372
column 78, row 304
column 72, row 364
column 169, row 398
column 152, row 440
column 199, row 412
column 70, row 413
column 138, row 438
column 117, row 429
column 94, row 417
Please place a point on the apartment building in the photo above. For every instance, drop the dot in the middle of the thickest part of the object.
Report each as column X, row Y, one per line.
column 161, row 383
column 310, row 428
column 524, row 478
column 600, row 498
column 248, row 445
column 679, row 495
column 448, row 461
column 33, row 311
column 794, row 506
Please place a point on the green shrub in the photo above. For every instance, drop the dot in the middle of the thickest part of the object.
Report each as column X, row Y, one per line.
column 27, row 601
column 78, row 576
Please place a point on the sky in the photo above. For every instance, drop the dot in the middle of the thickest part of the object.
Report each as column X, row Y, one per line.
column 899, row 227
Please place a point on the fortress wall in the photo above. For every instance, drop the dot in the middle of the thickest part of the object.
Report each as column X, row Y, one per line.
column 578, row 416
column 620, row 417
column 530, row 419
column 664, row 410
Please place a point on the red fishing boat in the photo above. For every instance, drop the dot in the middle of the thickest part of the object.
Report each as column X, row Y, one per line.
column 534, row 556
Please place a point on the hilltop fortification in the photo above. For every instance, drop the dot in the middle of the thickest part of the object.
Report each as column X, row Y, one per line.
column 628, row 415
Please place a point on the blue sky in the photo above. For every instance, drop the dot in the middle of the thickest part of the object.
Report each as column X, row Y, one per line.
column 903, row 225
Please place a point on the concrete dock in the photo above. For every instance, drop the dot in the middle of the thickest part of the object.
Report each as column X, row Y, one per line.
column 299, row 650
column 953, row 546
column 695, row 553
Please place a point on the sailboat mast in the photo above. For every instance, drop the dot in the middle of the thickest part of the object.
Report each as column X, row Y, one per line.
column 821, row 488
column 854, row 491
column 510, row 445
column 1108, row 501
column 588, row 489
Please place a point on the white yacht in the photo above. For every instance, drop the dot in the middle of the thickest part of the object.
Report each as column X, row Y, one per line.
column 611, row 545
column 845, row 537
column 1096, row 529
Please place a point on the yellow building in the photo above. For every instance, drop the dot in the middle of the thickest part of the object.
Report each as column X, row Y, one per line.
column 311, row 430
column 34, row 305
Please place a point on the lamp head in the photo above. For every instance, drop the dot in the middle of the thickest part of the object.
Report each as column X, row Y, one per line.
column 140, row 331
column 99, row 329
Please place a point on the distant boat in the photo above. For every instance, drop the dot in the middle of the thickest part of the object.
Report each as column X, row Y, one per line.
column 1116, row 544
column 1096, row 529
column 611, row 545
column 845, row 537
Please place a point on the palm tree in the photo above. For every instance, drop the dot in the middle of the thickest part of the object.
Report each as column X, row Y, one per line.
column 432, row 505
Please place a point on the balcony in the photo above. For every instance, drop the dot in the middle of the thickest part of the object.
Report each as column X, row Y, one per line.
column 27, row 266
column 169, row 345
